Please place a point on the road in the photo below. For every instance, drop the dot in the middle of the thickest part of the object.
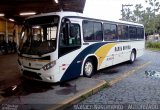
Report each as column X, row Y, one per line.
column 141, row 88
column 9, row 74
column 136, row 84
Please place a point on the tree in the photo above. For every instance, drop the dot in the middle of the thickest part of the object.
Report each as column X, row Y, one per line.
column 157, row 24
column 155, row 5
column 137, row 13
column 152, row 10
column 148, row 17
column 127, row 14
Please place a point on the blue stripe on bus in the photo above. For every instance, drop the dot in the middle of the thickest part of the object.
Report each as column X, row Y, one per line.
column 74, row 69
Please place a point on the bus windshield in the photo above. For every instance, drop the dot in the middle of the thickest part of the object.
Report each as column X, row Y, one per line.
column 38, row 35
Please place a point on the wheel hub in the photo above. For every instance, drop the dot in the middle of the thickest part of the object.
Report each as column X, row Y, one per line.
column 88, row 68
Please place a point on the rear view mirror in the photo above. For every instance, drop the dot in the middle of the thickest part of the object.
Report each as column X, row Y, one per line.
column 73, row 32
column 66, row 24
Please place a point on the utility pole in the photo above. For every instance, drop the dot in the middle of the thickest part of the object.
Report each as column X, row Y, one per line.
column 125, row 5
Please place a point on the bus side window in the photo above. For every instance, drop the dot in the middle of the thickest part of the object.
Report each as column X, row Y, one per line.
column 71, row 42
column 75, row 31
column 132, row 32
column 140, row 33
column 98, row 34
column 123, row 32
column 63, row 39
column 88, row 30
column 110, row 32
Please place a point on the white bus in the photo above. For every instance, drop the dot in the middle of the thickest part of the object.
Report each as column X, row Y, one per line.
column 60, row 46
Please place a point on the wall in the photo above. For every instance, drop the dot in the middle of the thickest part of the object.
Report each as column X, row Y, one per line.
column 6, row 33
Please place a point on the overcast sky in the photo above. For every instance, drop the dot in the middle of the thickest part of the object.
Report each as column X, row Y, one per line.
column 108, row 9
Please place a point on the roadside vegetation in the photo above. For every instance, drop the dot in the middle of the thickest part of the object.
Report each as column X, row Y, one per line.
column 153, row 45
column 148, row 16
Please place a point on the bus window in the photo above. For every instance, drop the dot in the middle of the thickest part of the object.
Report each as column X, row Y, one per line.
column 92, row 31
column 98, row 31
column 123, row 32
column 88, row 32
column 70, row 43
column 132, row 32
column 110, row 31
column 52, row 31
column 140, row 33
column 76, row 40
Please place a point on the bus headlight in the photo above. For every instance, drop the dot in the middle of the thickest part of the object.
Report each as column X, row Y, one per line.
column 49, row 65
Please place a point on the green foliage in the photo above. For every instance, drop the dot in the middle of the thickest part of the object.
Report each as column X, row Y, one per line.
column 147, row 17
column 153, row 45
column 126, row 14
column 138, row 12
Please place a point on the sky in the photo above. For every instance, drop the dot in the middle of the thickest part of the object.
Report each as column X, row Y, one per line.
column 108, row 9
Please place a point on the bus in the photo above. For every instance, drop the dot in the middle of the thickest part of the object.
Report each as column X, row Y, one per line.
column 60, row 46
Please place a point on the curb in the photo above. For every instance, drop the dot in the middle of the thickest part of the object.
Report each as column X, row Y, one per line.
column 158, row 51
column 81, row 96
column 91, row 91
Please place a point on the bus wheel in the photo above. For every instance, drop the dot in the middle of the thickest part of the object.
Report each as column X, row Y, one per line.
column 88, row 68
column 132, row 56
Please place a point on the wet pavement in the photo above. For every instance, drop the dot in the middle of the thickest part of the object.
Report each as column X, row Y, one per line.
column 115, row 71
column 9, row 74
column 140, row 88
column 17, row 93
column 31, row 95
column 25, row 87
column 152, row 73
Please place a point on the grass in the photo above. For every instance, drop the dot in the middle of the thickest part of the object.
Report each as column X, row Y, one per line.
column 155, row 46
column 153, row 49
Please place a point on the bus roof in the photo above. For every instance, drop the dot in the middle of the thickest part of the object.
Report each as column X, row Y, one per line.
column 80, row 15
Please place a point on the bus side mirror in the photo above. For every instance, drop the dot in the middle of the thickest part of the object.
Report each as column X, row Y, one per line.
column 73, row 32
column 66, row 24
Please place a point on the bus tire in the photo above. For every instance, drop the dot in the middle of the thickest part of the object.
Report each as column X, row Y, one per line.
column 132, row 56
column 88, row 68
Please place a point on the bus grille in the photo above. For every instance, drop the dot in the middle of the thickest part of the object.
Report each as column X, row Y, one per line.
column 31, row 75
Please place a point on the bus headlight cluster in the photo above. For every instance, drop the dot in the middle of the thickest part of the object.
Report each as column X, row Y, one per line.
column 49, row 65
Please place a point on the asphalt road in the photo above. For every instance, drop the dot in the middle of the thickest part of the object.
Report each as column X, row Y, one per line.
column 137, row 91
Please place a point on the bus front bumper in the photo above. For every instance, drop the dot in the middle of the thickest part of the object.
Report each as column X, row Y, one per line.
column 39, row 75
